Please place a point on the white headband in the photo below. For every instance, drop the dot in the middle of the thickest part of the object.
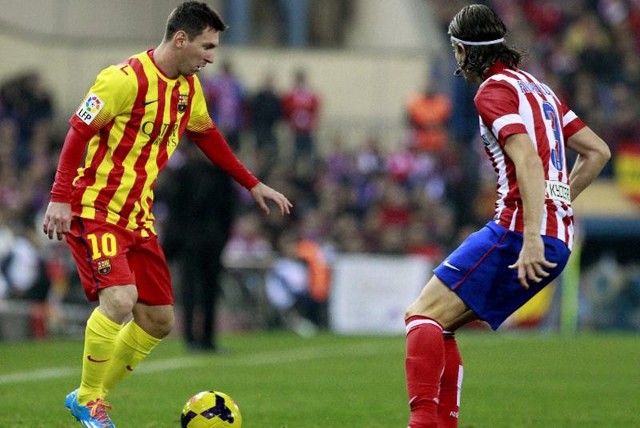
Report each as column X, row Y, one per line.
column 489, row 42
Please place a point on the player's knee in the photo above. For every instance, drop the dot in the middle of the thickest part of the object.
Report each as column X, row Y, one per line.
column 117, row 302
column 164, row 325
column 158, row 323
column 437, row 302
column 421, row 308
column 411, row 311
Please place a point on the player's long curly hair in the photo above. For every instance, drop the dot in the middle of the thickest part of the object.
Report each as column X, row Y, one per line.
column 479, row 23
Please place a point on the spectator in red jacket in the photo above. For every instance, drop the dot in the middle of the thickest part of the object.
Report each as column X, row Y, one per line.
column 301, row 107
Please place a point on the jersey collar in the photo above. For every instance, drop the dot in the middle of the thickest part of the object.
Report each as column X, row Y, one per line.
column 496, row 68
column 153, row 61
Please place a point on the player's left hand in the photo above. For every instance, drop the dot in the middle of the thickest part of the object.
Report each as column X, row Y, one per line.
column 261, row 192
column 532, row 264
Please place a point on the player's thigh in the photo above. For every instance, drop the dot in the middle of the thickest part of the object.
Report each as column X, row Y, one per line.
column 438, row 302
column 100, row 252
column 467, row 317
column 151, row 270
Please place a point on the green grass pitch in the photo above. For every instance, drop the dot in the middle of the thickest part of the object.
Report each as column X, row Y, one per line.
column 280, row 380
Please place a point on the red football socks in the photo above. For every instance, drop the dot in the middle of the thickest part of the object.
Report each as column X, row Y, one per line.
column 450, row 384
column 424, row 365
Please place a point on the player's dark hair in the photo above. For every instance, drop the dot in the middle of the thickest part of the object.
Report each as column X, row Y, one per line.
column 193, row 17
column 479, row 23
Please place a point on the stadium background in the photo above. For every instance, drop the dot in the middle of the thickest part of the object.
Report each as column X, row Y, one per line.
column 365, row 58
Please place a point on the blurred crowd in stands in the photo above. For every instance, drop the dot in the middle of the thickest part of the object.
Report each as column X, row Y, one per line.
column 421, row 197
column 292, row 23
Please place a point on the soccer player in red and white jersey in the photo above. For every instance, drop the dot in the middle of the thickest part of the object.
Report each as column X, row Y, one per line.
column 526, row 130
column 122, row 136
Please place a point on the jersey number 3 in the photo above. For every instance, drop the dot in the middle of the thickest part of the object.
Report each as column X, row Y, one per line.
column 557, row 155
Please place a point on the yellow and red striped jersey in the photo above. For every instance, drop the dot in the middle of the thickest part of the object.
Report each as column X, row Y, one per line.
column 134, row 116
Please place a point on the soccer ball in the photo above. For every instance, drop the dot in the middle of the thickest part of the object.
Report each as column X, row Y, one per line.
column 211, row 409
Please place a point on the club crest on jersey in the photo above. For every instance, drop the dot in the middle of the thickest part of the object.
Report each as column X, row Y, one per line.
column 90, row 108
column 183, row 101
column 104, row 266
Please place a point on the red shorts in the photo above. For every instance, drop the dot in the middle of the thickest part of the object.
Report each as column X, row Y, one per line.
column 108, row 255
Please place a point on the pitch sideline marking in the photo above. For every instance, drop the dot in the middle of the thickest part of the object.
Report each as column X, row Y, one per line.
column 272, row 357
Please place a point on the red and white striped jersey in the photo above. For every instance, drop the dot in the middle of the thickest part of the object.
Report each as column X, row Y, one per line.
column 514, row 102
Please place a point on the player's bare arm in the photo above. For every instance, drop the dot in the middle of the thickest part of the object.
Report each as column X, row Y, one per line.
column 593, row 154
column 531, row 263
column 261, row 192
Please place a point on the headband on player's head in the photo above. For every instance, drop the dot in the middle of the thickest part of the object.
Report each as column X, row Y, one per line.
column 488, row 42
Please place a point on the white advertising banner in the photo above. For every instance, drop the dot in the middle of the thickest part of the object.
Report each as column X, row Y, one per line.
column 369, row 293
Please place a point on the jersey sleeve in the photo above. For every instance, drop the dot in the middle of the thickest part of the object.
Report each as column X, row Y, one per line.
column 199, row 120
column 215, row 147
column 571, row 123
column 497, row 103
column 113, row 90
column 70, row 157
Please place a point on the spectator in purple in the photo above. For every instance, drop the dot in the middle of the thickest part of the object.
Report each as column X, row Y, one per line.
column 226, row 99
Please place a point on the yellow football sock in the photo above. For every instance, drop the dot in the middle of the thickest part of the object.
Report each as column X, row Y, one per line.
column 99, row 338
column 132, row 346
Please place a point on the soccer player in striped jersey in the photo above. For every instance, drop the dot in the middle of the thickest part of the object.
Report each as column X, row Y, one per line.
column 526, row 130
column 129, row 124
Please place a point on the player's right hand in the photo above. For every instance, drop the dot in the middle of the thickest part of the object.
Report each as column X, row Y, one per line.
column 57, row 219
column 532, row 264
